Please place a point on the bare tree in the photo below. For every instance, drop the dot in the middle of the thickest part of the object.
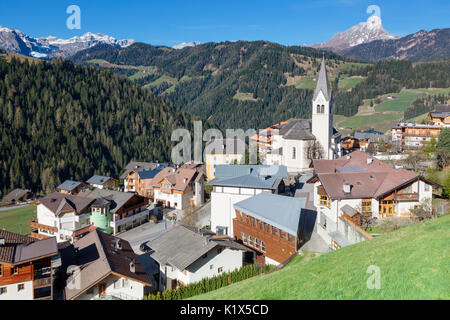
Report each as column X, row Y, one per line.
column 190, row 216
column 423, row 212
column 314, row 150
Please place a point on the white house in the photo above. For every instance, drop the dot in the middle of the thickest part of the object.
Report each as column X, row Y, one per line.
column 296, row 143
column 101, row 266
column 235, row 183
column 222, row 151
column 62, row 216
column 358, row 184
column 178, row 188
column 187, row 255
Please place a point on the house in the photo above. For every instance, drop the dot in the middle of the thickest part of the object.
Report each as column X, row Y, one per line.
column 223, row 151
column 349, row 144
column 301, row 140
column 367, row 137
column 178, row 188
column 101, row 266
column 71, row 187
column 361, row 184
column 129, row 175
column 234, row 183
column 26, row 267
column 410, row 135
column 187, row 255
column 440, row 116
column 102, row 182
column 115, row 211
column 144, row 181
column 17, row 195
column 270, row 225
column 264, row 138
column 63, row 216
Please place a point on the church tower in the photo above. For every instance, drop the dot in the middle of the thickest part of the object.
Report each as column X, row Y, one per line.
column 322, row 112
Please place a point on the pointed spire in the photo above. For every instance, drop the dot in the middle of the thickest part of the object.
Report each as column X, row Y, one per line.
column 322, row 82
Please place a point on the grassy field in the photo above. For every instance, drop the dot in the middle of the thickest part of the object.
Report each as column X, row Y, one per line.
column 413, row 264
column 380, row 115
column 17, row 220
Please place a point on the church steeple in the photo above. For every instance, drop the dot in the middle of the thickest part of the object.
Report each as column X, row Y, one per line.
column 322, row 112
column 322, row 83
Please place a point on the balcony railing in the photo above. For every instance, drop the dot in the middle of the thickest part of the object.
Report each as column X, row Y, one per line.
column 42, row 282
column 36, row 225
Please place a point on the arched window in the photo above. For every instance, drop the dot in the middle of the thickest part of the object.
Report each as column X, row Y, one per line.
column 294, row 152
column 318, row 108
column 322, row 110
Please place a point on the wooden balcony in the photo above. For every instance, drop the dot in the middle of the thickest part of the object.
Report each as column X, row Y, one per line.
column 36, row 235
column 43, row 282
column 34, row 224
column 407, row 196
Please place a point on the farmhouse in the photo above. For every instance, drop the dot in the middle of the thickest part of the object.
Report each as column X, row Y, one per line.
column 102, row 182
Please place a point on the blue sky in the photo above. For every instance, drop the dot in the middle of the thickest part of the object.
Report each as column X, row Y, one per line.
column 168, row 22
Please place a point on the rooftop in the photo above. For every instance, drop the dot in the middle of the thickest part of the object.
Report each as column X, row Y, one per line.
column 98, row 256
column 280, row 211
column 100, row 180
column 182, row 246
column 69, row 185
column 60, row 203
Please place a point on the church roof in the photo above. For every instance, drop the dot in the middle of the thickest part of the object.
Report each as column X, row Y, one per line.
column 297, row 129
column 323, row 84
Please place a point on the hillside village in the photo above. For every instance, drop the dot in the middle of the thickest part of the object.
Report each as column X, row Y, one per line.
column 161, row 227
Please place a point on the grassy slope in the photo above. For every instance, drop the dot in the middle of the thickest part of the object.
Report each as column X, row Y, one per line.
column 17, row 220
column 413, row 262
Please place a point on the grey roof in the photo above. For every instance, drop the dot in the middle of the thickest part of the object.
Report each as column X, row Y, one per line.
column 182, row 246
column 249, row 181
column 349, row 210
column 69, row 185
column 230, row 171
column 297, row 129
column 322, row 83
column 371, row 136
column 100, row 180
column 37, row 249
column 339, row 238
column 442, row 108
column 116, row 198
column 16, row 194
column 97, row 257
column 138, row 166
column 59, row 202
column 280, row 211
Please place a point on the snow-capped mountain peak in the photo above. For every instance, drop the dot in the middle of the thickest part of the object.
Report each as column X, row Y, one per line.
column 186, row 44
column 363, row 32
column 49, row 47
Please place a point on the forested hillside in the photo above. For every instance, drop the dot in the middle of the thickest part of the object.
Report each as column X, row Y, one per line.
column 59, row 121
column 254, row 84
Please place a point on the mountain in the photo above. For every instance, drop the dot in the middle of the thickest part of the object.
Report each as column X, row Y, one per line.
column 420, row 46
column 59, row 121
column 186, row 44
column 254, row 84
column 364, row 32
column 12, row 40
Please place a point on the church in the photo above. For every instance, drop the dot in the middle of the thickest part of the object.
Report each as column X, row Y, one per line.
column 299, row 141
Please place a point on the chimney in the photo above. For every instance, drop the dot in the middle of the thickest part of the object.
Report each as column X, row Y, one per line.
column 118, row 244
column 132, row 266
column 2, row 241
column 347, row 187
column 369, row 160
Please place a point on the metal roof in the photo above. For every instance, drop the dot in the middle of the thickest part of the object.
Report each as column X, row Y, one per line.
column 280, row 211
column 230, row 171
column 100, row 180
column 69, row 185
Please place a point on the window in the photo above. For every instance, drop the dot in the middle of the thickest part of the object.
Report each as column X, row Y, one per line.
column 21, row 287
column 267, row 227
column 274, row 231
column 220, row 270
column 323, row 220
column 324, row 201
column 2, row 290
column 322, row 109
column 221, row 231
column 117, row 284
column 318, row 109
column 427, row 187
column 263, row 246
column 248, row 220
column 290, row 237
column 366, row 206
column 211, row 266
column 242, row 236
column 294, row 152
column 253, row 222
column 282, row 235
column 257, row 243
column 250, row 241
column 14, row 270
column 260, row 226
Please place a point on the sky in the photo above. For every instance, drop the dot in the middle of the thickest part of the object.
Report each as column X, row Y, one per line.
column 169, row 22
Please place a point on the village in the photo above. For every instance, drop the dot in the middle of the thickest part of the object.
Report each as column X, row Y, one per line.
column 160, row 226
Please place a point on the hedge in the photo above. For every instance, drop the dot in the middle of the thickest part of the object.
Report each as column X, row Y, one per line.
column 210, row 284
